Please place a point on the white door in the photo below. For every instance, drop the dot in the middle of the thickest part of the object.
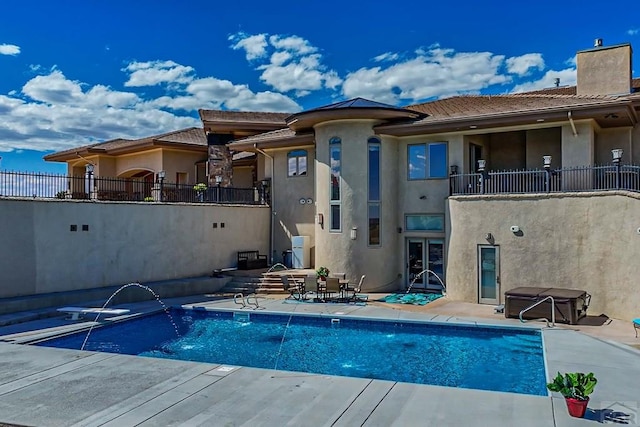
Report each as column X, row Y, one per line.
column 488, row 274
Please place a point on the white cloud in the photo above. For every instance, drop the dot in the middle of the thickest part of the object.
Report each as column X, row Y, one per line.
column 387, row 56
column 432, row 72
column 9, row 49
column 288, row 63
column 522, row 65
column 633, row 31
column 153, row 73
column 567, row 78
column 572, row 62
column 254, row 46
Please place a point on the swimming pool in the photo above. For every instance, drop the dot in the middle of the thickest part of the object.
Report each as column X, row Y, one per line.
column 486, row 358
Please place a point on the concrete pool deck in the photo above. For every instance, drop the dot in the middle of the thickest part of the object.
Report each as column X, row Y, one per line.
column 59, row 387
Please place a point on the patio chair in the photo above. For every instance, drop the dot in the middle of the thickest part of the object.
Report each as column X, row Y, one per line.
column 294, row 289
column 356, row 289
column 636, row 325
column 311, row 283
column 332, row 286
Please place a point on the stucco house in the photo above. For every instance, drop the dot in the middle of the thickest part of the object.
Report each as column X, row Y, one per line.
column 388, row 191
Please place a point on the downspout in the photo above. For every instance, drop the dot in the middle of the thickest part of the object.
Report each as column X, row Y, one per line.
column 573, row 125
column 273, row 201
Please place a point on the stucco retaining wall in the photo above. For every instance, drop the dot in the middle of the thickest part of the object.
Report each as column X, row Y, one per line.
column 124, row 242
column 584, row 241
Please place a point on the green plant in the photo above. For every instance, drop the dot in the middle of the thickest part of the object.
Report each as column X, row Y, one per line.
column 61, row 195
column 149, row 199
column 576, row 385
column 200, row 187
column 322, row 271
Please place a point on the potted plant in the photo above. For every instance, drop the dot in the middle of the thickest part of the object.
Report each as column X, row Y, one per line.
column 200, row 188
column 322, row 272
column 576, row 388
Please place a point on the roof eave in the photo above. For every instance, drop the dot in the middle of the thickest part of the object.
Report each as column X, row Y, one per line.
column 292, row 141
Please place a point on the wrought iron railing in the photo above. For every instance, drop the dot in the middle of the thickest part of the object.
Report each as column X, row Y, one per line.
column 60, row 186
column 574, row 179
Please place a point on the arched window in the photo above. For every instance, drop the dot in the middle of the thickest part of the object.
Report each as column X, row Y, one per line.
column 297, row 163
column 335, row 158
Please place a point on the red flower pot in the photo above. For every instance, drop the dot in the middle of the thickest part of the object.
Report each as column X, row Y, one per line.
column 576, row 407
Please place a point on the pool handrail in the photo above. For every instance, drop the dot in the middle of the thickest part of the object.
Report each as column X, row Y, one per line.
column 553, row 311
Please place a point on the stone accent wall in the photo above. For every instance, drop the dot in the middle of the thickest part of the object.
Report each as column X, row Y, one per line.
column 220, row 159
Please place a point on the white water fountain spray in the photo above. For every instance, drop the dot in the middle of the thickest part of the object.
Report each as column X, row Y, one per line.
column 444, row 289
column 123, row 287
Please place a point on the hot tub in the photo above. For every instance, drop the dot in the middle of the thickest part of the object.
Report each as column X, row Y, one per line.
column 570, row 304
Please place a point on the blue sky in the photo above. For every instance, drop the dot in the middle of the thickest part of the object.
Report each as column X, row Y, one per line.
column 76, row 72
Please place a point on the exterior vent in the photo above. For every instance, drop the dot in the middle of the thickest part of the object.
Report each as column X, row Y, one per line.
column 597, row 43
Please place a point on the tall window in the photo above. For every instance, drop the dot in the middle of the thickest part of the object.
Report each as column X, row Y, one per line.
column 297, row 163
column 335, row 148
column 427, row 160
column 374, row 191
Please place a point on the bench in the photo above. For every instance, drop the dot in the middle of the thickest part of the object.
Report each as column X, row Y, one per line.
column 77, row 312
column 248, row 260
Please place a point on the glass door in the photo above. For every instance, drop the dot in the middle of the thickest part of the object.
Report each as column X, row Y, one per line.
column 423, row 255
column 415, row 263
column 488, row 274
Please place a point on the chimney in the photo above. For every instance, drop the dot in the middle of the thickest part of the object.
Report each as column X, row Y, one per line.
column 604, row 70
column 556, row 81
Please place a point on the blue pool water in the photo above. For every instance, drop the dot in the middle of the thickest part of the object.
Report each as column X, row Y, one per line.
column 483, row 358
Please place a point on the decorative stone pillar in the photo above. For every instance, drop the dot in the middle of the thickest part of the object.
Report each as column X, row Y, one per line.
column 219, row 159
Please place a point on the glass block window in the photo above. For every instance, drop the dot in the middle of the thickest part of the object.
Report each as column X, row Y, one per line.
column 424, row 222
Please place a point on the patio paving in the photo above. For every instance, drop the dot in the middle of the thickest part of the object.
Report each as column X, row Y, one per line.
column 50, row 386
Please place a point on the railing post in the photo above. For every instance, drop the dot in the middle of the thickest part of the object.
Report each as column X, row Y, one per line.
column 481, row 166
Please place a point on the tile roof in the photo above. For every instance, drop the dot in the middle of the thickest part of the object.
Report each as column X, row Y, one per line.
column 242, row 116
column 267, row 136
column 479, row 105
column 572, row 90
column 190, row 136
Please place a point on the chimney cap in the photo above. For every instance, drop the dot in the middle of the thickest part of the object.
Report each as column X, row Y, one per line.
column 597, row 43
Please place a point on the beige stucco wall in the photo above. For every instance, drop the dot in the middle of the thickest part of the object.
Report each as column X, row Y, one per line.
column 544, row 142
column 586, row 241
column 508, row 151
column 175, row 162
column 607, row 140
column 336, row 250
column 291, row 218
column 125, row 242
column 147, row 160
column 242, row 177
column 578, row 150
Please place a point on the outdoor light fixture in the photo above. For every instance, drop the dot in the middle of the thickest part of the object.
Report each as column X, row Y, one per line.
column 481, row 165
column 218, row 179
column 547, row 161
column 617, row 154
column 89, row 168
column 354, row 233
column 162, row 174
column 453, row 169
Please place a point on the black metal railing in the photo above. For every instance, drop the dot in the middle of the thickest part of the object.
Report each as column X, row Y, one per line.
column 574, row 179
column 60, row 186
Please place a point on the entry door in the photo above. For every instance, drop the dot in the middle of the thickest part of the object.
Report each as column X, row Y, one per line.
column 488, row 274
column 416, row 263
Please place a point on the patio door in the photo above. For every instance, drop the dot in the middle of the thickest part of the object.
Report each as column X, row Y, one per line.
column 422, row 255
column 488, row 274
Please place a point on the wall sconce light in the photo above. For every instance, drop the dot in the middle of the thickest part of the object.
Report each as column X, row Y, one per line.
column 546, row 161
column 481, row 165
column 399, row 230
column 162, row 174
column 89, row 168
column 515, row 229
column 320, row 219
column 354, row 233
column 423, row 197
column 218, row 179
column 453, row 169
column 617, row 154
column 489, row 238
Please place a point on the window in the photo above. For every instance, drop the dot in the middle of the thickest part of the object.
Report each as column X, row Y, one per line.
column 427, row 160
column 374, row 191
column 428, row 222
column 335, row 152
column 297, row 163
